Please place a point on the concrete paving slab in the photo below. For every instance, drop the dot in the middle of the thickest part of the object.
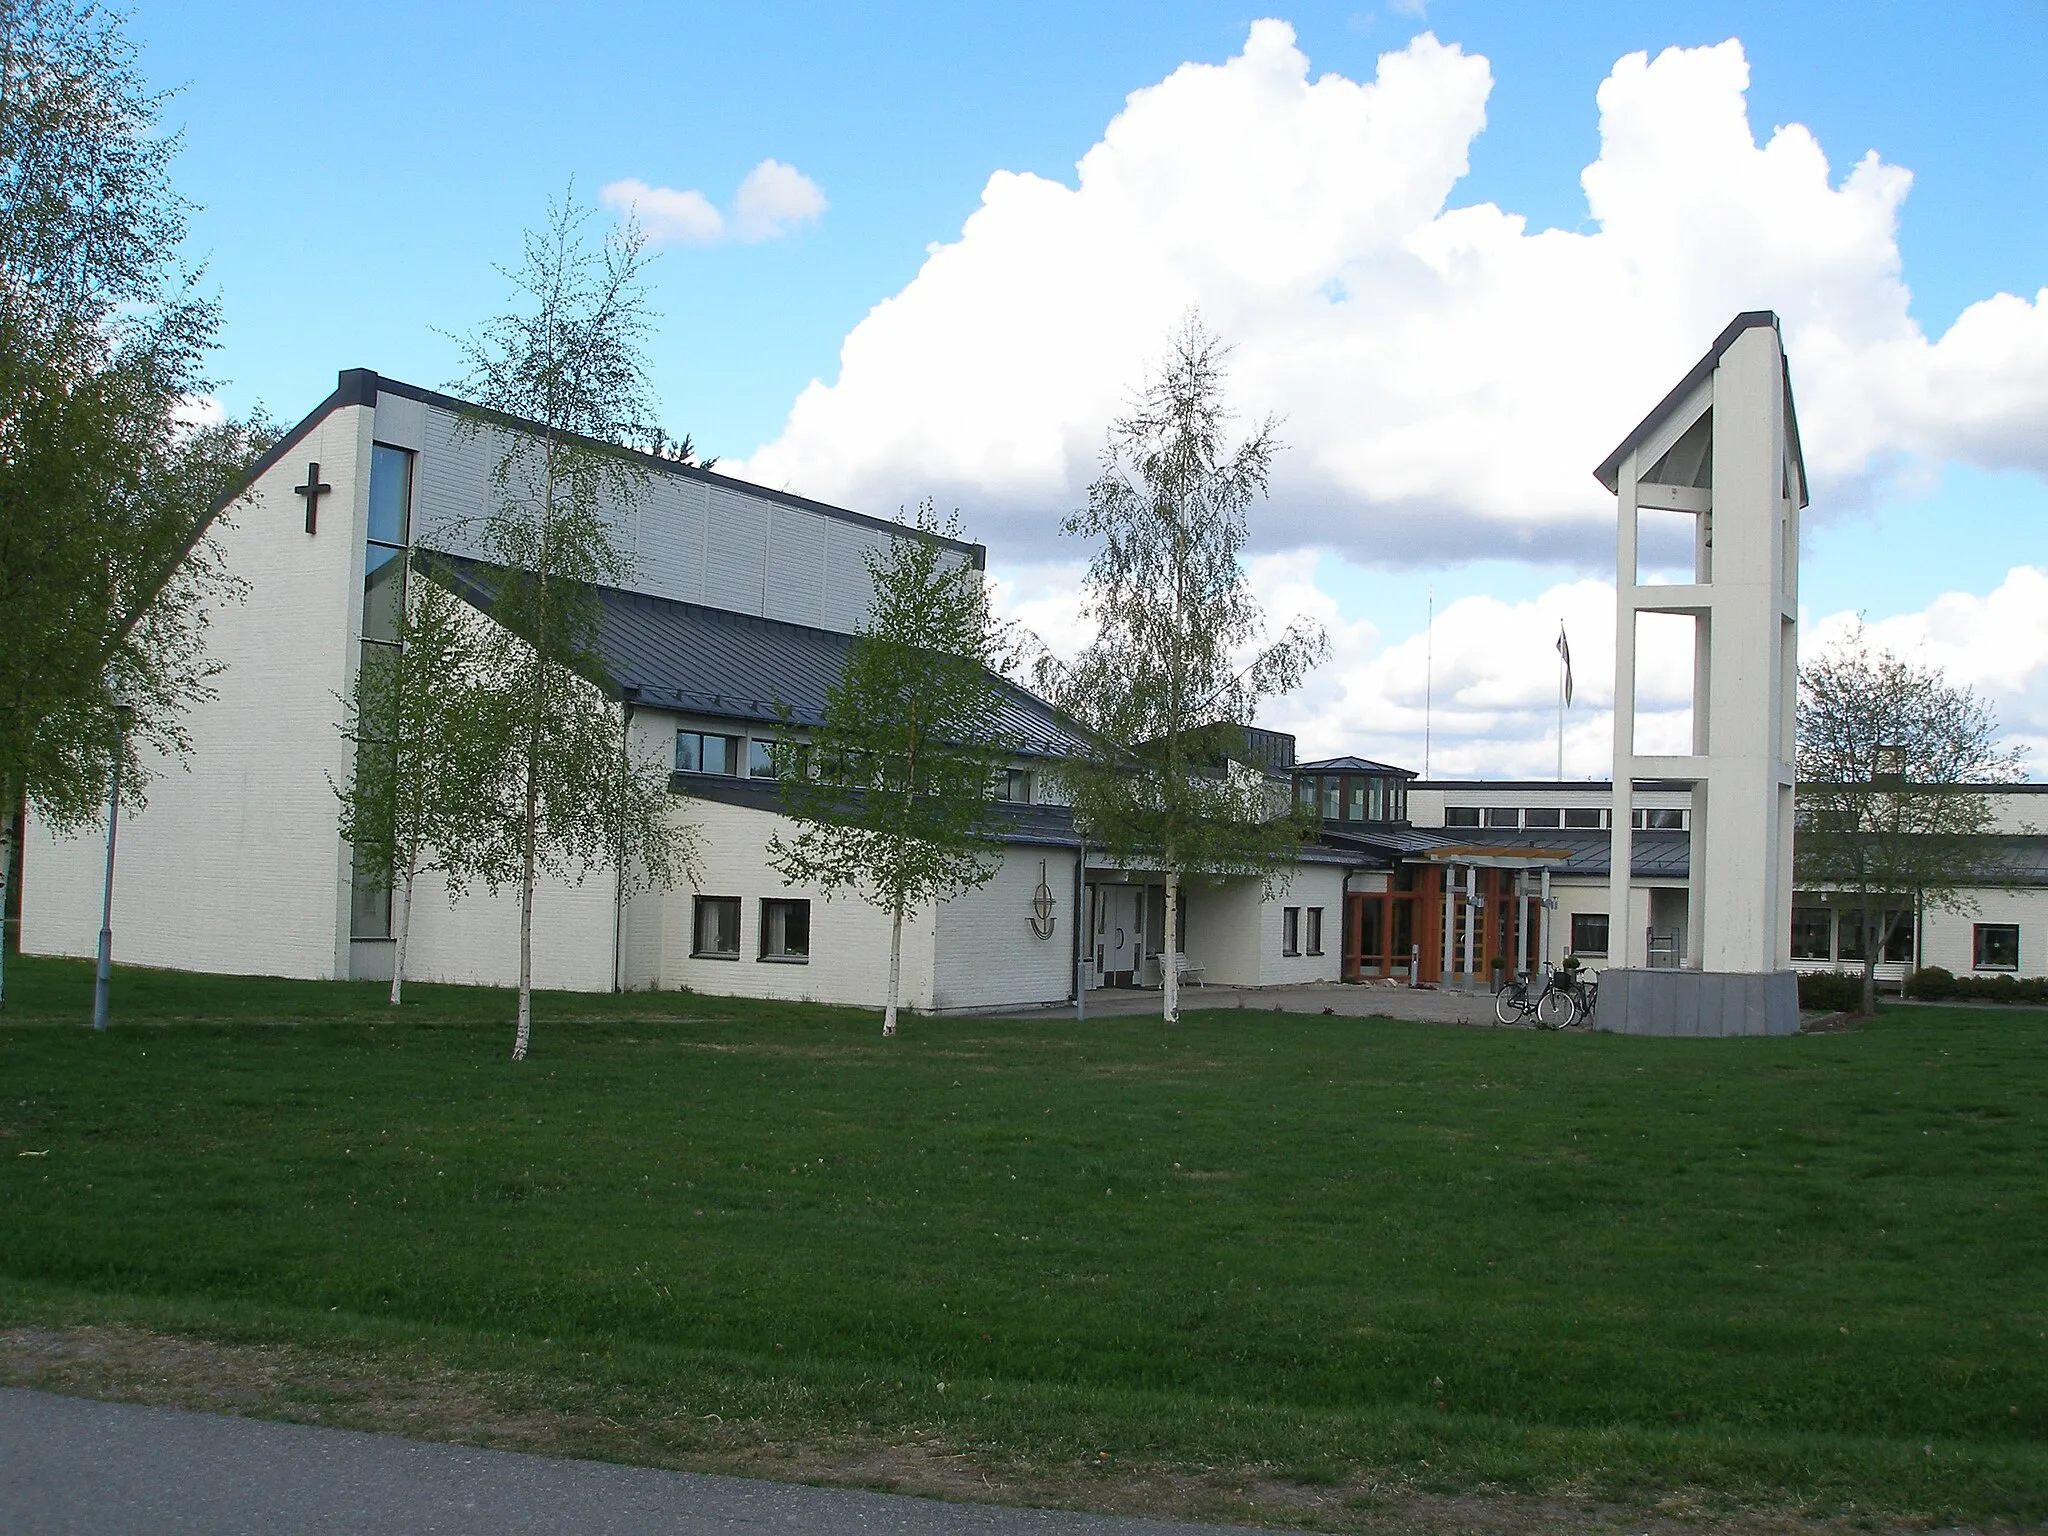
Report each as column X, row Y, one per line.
column 70, row 1466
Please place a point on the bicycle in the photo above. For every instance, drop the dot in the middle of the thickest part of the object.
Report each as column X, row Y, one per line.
column 1516, row 1002
column 1567, row 1001
column 1512, row 1003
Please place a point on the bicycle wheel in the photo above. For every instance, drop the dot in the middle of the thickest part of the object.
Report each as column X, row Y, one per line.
column 1555, row 1009
column 1511, row 1005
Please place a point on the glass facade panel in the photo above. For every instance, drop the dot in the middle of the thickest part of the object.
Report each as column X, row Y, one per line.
column 760, row 759
column 390, row 495
column 1583, row 819
column 1503, row 816
column 1461, row 816
column 1542, row 816
column 1332, row 788
column 1354, row 794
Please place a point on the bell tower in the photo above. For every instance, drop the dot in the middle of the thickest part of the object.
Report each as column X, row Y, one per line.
column 1709, row 490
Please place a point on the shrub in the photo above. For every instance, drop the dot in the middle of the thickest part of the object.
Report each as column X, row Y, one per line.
column 1831, row 991
column 1932, row 984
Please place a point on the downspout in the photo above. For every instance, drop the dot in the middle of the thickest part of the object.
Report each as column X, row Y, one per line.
column 1080, row 901
column 619, row 871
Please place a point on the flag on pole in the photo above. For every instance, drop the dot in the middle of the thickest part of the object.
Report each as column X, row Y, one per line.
column 1564, row 650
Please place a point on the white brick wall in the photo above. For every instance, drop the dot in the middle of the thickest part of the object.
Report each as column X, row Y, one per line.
column 987, row 952
column 1948, row 941
column 235, row 865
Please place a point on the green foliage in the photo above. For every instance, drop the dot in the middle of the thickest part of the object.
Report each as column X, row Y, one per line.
column 1759, row 1270
column 1179, row 664
column 890, row 795
column 1885, row 746
column 432, row 747
column 1938, row 984
column 107, row 574
column 1831, row 991
column 569, row 359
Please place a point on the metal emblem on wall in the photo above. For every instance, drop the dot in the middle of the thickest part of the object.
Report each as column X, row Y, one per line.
column 1043, row 918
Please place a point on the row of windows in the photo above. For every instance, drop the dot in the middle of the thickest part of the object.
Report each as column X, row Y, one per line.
column 712, row 752
column 1354, row 796
column 785, row 933
column 1821, row 933
column 1299, row 925
column 1576, row 818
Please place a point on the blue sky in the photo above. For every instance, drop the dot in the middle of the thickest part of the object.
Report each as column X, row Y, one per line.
column 360, row 169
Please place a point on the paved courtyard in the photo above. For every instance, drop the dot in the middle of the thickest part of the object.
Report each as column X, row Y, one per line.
column 1364, row 1000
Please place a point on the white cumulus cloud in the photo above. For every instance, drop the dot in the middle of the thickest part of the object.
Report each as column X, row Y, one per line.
column 1447, row 375
column 773, row 200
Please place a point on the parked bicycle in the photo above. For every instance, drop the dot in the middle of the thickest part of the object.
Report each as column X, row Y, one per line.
column 1561, row 1001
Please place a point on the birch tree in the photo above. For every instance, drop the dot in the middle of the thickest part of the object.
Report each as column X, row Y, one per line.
column 1887, row 751
column 108, row 481
column 891, row 795
column 431, row 752
column 569, row 363
column 1179, row 661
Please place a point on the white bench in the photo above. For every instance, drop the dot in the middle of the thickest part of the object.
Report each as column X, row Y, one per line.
column 1191, row 974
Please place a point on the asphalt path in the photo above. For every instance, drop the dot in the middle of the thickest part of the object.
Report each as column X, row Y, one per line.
column 70, row 1465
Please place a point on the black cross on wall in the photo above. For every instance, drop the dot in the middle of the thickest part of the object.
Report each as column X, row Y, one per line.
column 312, row 490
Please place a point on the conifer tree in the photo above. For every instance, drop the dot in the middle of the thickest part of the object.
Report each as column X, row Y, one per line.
column 890, row 796
column 1178, row 664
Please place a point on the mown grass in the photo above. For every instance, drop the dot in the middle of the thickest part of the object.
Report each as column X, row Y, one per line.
column 1807, row 1271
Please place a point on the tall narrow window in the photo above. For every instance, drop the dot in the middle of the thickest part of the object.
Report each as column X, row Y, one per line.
column 385, row 545
column 1314, row 935
column 1290, row 930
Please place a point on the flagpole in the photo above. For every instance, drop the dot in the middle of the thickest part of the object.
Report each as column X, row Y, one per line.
column 1561, row 664
column 1428, row 674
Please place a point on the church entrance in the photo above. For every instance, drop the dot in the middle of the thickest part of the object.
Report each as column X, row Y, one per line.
column 1119, row 934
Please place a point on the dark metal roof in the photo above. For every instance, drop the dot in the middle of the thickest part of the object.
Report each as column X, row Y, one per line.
column 707, row 661
column 1352, row 765
column 1608, row 474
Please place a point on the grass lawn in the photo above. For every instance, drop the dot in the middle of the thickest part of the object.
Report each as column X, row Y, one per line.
column 1805, row 1273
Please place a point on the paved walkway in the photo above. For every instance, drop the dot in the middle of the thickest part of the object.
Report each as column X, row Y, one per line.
column 69, row 1467
column 1347, row 1001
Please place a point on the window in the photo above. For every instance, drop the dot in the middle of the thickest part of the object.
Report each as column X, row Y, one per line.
column 1810, row 933
column 1332, row 788
column 1290, row 931
column 1995, row 946
column 1657, row 821
column 1305, row 792
column 369, row 909
column 1589, row 933
column 1539, row 816
column 699, row 752
column 760, row 759
column 1461, row 815
column 1014, row 785
column 1895, row 926
column 785, row 930
column 716, row 927
column 1315, row 930
column 1355, row 796
column 1376, row 800
column 384, row 547
column 1583, row 819
column 1503, row 816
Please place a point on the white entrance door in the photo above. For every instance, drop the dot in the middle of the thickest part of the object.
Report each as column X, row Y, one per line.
column 1118, row 940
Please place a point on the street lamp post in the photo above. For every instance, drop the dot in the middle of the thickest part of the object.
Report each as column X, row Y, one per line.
column 122, row 710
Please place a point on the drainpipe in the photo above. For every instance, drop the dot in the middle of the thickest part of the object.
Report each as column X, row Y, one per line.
column 1080, row 901
column 626, row 698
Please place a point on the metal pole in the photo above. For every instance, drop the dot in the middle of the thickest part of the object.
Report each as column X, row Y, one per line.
column 106, row 967
column 1081, row 938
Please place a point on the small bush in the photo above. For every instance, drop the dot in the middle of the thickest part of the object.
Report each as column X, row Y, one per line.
column 1932, row 984
column 1831, row 991
column 1935, row 984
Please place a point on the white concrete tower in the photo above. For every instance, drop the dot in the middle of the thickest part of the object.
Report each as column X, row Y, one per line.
column 1717, row 466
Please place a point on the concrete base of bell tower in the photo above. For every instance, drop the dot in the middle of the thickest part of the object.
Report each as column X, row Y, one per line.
column 1697, row 1003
